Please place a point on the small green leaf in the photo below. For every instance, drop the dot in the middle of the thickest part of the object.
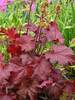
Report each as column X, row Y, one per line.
column 72, row 66
column 72, row 43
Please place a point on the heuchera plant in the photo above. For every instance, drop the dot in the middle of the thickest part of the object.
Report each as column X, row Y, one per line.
column 30, row 73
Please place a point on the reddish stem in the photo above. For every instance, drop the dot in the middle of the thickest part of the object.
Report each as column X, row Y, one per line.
column 29, row 15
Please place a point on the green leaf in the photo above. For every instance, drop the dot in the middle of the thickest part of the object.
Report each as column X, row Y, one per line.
column 72, row 43
column 72, row 66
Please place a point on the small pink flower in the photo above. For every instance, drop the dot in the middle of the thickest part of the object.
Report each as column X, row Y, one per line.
column 49, row 1
column 33, row 7
column 3, row 5
column 11, row 1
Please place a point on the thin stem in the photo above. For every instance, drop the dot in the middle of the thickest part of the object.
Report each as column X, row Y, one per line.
column 29, row 15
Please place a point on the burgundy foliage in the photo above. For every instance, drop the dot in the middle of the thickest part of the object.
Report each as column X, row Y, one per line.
column 28, row 73
column 59, row 54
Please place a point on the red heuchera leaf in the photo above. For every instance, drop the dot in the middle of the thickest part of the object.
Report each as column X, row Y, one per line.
column 46, row 83
column 56, row 75
column 26, row 59
column 57, row 89
column 53, row 34
column 1, row 58
column 60, row 54
column 27, row 69
column 55, row 92
column 15, row 73
column 72, row 82
column 4, row 74
column 28, row 88
column 16, row 60
column 12, row 34
column 26, row 42
column 6, row 97
column 14, row 49
column 6, row 70
column 73, row 88
column 68, row 89
column 42, row 70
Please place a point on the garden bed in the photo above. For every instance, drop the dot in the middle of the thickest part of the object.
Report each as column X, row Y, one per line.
column 37, row 50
